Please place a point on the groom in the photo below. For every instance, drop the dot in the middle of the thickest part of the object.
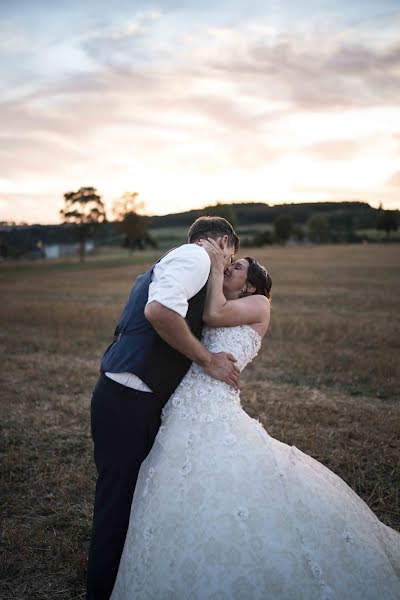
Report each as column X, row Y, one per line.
column 155, row 342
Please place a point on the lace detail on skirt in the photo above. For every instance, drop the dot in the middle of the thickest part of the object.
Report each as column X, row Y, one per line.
column 224, row 511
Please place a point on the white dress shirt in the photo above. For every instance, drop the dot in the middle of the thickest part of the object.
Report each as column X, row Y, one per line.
column 176, row 278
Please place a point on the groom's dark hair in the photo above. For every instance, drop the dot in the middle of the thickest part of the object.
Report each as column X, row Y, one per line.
column 213, row 227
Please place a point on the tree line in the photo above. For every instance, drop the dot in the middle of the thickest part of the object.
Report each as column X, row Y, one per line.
column 83, row 217
column 319, row 229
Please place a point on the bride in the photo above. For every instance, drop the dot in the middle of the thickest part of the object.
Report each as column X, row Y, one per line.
column 224, row 511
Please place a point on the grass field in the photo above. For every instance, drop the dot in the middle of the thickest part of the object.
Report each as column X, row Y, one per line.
column 325, row 380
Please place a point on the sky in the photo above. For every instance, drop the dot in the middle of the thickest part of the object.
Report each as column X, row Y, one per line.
column 193, row 103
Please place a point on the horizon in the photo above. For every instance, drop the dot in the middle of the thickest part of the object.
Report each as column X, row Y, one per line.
column 212, row 103
column 244, row 202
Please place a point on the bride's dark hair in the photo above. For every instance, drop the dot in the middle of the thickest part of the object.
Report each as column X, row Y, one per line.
column 258, row 276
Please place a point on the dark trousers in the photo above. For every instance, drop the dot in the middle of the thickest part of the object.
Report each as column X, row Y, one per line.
column 124, row 424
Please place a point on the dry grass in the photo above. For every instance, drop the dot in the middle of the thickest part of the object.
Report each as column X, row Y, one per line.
column 325, row 381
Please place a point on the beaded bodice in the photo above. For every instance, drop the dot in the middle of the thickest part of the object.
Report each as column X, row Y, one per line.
column 202, row 396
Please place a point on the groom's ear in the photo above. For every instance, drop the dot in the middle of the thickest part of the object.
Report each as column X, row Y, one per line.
column 223, row 242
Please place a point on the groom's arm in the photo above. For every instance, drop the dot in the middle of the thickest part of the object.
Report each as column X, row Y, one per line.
column 179, row 276
column 174, row 330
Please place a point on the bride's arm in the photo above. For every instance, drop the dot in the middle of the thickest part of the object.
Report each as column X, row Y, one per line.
column 220, row 312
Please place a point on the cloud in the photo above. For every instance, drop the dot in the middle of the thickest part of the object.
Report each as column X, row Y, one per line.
column 342, row 149
column 11, row 40
column 316, row 74
column 116, row 46
column 394, row 180
column 210, row 100
column 36, row 152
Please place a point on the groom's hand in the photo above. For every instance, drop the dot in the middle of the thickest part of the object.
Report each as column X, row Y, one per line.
column 218, row 260
column 174, row 330
column 222, row 366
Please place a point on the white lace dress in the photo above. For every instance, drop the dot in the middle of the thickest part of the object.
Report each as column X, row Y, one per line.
column 224, row 511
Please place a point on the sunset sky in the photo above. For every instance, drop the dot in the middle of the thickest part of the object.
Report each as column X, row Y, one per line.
column 192, row 103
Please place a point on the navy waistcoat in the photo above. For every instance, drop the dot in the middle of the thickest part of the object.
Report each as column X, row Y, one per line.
column 137, row 348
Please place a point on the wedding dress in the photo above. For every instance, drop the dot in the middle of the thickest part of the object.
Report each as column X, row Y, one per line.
column 224, row 511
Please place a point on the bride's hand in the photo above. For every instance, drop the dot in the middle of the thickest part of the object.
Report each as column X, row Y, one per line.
column 218, row 260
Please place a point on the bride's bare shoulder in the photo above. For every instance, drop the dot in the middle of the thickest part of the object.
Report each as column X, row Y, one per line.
column 257, row 300
column 263, row 305
column 246, row 310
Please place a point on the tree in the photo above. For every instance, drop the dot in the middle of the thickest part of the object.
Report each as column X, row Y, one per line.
column 85, row 210
column 127, row 203
column 387, row 221
column 131, row 223
column 298, row 233
column 262, row 238
column 318, row 228
column 283, row 226
column 3, row 248
column 226, row 211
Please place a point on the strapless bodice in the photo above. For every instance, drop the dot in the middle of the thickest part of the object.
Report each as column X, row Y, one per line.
column 203, row 397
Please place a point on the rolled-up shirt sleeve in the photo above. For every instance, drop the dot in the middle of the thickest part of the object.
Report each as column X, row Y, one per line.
column 179, row 276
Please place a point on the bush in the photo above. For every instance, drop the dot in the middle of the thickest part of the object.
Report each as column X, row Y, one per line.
column 283, row 226
column 263, row 238
column 318, row 228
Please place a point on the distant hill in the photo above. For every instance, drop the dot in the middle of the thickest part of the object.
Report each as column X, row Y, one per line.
column 250, row 216
column 363, row 215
